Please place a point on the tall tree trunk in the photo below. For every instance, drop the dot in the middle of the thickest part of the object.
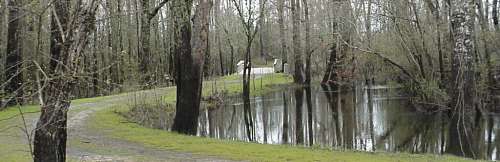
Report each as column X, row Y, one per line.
column 495, row 15
column 145, row 53
column 281, row 22
column 207, row 60
column 95, row 68
column 262, row 34
column 297, row 77
column 189, row 63
column 3, row 7
column 231, row 48
column 463, row 51
column 121, row 64
column 308, row 42
column 331, row 71
column 66, row 51
column 112, row 50
column 368, row 24
column 13, row 73
column 221, row 55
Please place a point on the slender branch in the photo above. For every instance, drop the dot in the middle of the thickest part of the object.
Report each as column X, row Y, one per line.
column 401, row 68
column 155, row 11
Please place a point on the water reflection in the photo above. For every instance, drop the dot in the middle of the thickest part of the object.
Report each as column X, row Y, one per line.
column 367, row 118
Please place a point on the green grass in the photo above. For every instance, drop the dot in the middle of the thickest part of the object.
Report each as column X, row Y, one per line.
column 13, row 111
column 234, row 150
column 12, row 148
column 232, row 84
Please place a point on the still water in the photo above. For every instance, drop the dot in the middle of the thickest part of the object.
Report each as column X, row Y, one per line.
column 366, row 118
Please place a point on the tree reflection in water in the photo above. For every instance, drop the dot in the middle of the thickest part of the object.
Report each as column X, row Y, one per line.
column 366, row 118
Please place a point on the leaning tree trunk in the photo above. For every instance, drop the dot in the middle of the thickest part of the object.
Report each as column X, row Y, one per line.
column 189, row 63
column 14, row 56
column 66, row 50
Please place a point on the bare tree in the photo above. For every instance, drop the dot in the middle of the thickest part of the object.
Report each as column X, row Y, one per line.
column 248, row 18
column 69, row 36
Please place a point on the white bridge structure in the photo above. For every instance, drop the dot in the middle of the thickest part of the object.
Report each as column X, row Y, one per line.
column 277, row 68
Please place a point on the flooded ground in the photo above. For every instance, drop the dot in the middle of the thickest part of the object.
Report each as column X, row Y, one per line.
column 374, row 118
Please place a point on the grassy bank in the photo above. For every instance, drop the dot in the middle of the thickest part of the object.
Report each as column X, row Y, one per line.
column 117, row 127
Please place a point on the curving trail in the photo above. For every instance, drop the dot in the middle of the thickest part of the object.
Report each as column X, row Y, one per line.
column 88, row 145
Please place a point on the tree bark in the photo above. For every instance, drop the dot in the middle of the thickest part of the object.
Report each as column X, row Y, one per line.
column 281, row 22
column 462, row 70
column 95, row 68
column 3, row 7
column 145, row 53
column 221, row 56
column 262, row 22
column 368, row 24
column 308, row 42
column 190, row 63
column 331, row 71
column 13, row 72
column 231, row 47
column 297, row 77
column 66, row 51
column 495, row 15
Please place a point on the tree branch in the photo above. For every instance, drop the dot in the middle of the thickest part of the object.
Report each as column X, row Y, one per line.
column 385, row 59
column 155, row 11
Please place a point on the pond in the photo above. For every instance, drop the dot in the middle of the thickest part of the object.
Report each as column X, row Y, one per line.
column 365, row 118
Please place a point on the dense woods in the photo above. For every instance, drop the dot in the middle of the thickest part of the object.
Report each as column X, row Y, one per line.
column 444, row 52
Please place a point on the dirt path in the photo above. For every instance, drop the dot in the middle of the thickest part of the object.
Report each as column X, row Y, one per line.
column 88, row 145
column 85, row 144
